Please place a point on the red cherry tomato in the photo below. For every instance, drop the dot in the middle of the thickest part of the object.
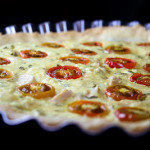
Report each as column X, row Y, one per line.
column 88, row 108
column 120, row 63
column 75, row 59
column 32, row 54
column 144, row 44
column 64, row 72
column 147, row 67
column 92, row 44
column 4, row 74
column 37, row 90
column 132, row 114
column 117, row 50
column 120, row 92
column 52, row 45
column 83, row 51
column 140, row 79
column 4, row 61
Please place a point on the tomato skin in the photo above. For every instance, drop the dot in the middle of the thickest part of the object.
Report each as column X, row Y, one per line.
column 4, row 74
column 117, row 50
column 88, row 108
column 144, row 44
column 32, row 54
column 93, row 44
column 121, row 92
column 83, row 51
column 52, row 45
column 64, row 72
column 132, row 114
column 43, row 90
column 120, row 63
column 4, row 61
column 140, row 79
column 147, row 67
column 75, row 59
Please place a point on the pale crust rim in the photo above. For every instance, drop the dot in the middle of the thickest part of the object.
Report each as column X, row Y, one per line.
column 128, row 34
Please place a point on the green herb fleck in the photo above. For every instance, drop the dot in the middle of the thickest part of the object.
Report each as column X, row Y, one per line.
column 21, row 68
column 14, row 54
column 30, row 66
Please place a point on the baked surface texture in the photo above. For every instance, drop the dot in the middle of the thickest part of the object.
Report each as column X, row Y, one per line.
column 87, row 79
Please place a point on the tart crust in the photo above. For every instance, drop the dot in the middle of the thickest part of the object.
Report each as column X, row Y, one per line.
column 127, row 34
column 124, row 34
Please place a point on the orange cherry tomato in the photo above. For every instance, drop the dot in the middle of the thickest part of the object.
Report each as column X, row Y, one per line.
column 32, row 54
column 75, row 59
column 37, row 90
column 88, row 108
column 132, row 114
column 120, row 92
column 117, row 50
column 52, row 45
column 147, row 67
column 120, row 63
column 64, row 72
column 4, row 61
column 140, row 79
column 144, row 44
column 4, row 74
column 92, row 44
column 83, row 51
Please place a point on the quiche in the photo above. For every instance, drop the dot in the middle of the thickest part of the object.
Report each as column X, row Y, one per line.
column 95, row 79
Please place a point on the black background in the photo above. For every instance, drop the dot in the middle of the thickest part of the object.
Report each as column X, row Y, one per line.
column 21, row 12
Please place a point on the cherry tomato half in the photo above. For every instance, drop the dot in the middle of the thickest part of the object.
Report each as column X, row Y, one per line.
column 120, row 92
column 132, row 114
column 75, row 59
column 4, row 61
column 144, row 44
column 52, row 45
column 120, row 63
column 32, row 54
column 37, row 90
column 83, row 51
column 64, row 72
column 4, row 74
column 117, row 50
column 88, row 108
column 140, row 79
column 147, row 67
column 92, row 44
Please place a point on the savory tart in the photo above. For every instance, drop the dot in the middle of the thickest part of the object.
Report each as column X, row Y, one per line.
column 95, row 79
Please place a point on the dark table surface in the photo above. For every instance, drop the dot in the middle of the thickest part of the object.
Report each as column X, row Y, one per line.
column 30, row 133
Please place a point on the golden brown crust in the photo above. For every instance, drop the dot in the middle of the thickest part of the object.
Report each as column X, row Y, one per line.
column 123, row 33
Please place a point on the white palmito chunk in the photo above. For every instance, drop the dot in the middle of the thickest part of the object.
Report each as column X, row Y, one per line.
column 62, row 96
column 25, row 79
column 93, row 92
column 114, row 80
